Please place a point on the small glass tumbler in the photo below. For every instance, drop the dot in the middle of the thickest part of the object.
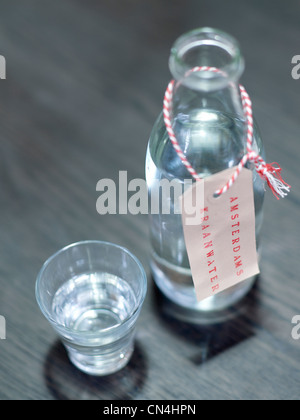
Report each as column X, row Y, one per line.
column 92, row 293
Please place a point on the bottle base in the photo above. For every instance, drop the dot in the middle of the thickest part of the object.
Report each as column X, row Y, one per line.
column 180, row 290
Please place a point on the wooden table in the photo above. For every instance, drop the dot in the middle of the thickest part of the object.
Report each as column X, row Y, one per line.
column 85, row 81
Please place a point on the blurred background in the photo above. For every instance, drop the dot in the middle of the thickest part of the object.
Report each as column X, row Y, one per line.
column 85, row 84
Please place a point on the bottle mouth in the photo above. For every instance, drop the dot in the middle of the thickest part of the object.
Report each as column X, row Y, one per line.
column 206, row 48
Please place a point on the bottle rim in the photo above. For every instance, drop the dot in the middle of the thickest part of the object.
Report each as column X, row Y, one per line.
column 210, row 48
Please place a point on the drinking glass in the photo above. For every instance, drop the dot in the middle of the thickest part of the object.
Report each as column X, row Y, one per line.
column 92, row 293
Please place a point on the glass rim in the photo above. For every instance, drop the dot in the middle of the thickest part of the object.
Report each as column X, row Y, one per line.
column 65, row 329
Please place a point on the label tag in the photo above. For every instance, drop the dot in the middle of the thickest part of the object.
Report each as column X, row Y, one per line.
column 221, row 242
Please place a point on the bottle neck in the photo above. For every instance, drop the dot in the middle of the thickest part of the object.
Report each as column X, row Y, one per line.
column 188, row 103
column 206, row 111
column 211, row 90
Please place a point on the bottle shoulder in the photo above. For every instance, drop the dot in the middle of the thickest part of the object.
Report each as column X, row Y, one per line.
column 212, row 142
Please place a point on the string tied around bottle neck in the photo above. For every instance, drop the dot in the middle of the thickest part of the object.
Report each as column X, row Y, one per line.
column 271, row 173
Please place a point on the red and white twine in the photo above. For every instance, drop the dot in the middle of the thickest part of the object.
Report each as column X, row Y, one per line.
column 269, row 172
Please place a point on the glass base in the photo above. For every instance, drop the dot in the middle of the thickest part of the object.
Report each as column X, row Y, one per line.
column 177, row 285
column 100, row 365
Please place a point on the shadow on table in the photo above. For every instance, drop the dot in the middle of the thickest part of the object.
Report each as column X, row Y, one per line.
column 215, row 332
column 66, row 382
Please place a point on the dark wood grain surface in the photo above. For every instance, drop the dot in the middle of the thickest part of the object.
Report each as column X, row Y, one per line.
column 85, row 81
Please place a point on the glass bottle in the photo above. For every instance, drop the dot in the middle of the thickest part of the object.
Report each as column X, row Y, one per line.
column 210, row 126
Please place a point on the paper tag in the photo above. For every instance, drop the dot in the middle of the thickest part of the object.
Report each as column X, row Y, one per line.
column 221, row 244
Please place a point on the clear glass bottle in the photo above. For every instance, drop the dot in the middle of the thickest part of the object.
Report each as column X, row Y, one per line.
column 210, row 126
